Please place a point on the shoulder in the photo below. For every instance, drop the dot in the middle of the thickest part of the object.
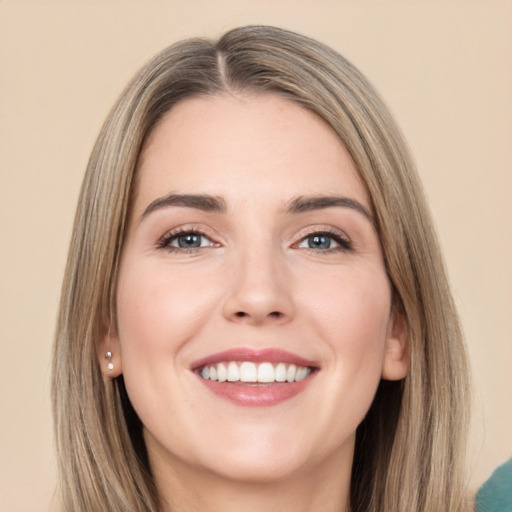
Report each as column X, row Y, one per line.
column 495, row 495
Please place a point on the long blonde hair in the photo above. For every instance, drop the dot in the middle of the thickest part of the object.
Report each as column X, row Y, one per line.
column 409, row 453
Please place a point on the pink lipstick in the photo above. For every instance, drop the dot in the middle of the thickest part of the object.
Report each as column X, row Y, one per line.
column 255, row 377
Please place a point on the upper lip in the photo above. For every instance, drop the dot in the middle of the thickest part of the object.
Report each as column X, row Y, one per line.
column 268, row 355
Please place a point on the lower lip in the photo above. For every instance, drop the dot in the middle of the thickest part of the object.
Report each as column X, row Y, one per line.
column 257, row 395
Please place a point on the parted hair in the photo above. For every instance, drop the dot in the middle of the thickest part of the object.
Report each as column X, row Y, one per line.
column 410, row 448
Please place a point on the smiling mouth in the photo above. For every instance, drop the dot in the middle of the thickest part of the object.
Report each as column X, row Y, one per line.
column 248, row 372
column 255, row 377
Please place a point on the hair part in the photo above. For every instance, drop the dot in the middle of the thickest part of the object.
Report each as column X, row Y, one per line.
column 409, row 453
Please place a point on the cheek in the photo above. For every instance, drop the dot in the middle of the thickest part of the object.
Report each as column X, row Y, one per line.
column 158, row 311
column 353, row 310
column 351, row 314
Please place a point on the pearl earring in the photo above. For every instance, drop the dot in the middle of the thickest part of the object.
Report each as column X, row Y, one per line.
column 108, row 356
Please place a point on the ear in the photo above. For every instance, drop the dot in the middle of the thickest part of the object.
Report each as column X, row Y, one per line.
column 109, row 353
column 397, row 353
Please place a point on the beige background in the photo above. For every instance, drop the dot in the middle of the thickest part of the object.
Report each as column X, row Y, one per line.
column 443, row 66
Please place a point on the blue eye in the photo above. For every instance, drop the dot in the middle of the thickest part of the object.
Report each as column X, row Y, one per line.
column 186, row 240
column 319, row 242
column 324, row 242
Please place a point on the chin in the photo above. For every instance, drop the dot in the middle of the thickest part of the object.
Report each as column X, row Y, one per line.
column 277, row 457
column 257, row 469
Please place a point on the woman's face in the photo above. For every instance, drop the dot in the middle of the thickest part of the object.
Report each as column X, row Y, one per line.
column 254, row 310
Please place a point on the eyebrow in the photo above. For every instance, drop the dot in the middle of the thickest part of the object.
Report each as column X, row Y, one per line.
column 216, row 204
column 303, row 204
column 204, row 202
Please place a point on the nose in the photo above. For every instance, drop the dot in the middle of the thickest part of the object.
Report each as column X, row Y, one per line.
column 259, row 290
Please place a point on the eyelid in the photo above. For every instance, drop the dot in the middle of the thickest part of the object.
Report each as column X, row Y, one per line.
column 344, row 243
column 164, row 241
column 341, row 238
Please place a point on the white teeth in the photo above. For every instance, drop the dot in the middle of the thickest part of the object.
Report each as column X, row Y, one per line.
column 280, row 372
column 266, row 373
column 248, row 371
column 301, row 374
column 233, row 372
column 290, row 373
column 222, row 373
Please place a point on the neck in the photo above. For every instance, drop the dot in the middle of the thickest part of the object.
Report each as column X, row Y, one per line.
column 321, row 488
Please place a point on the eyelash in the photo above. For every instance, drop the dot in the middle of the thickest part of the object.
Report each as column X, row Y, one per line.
column 344, row 244
column 165, row 241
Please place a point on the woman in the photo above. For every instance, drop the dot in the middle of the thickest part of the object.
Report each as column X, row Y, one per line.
column 255, row 312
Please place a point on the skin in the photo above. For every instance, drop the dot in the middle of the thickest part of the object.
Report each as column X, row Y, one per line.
column 255, row 282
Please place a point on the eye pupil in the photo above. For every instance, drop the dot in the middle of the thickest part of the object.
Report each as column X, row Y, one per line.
column 189, row 241
column 319, row 242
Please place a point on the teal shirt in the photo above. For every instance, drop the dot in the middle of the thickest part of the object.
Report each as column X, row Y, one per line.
column 495, row 495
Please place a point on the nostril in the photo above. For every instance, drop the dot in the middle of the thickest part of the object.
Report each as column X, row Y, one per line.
column 272, row 314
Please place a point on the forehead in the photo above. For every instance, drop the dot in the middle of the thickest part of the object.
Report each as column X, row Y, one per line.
column 233, row 145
